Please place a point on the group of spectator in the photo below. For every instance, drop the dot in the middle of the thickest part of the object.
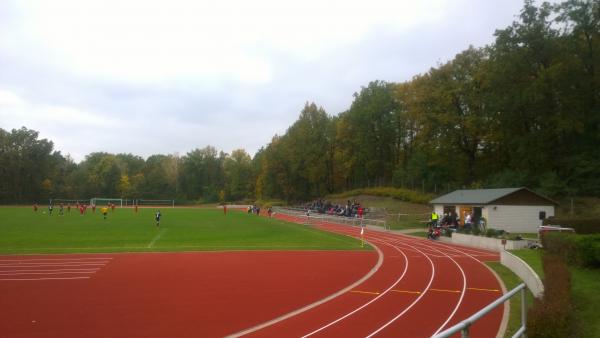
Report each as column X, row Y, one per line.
column 351, row 209
column 452, row 220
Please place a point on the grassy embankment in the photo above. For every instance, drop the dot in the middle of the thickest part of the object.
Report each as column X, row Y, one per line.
column 401, row 208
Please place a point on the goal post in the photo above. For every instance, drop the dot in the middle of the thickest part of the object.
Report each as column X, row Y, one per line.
column 69, row 201
column 106, row 201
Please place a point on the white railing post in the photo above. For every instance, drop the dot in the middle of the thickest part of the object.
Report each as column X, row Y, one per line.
column 523, row 310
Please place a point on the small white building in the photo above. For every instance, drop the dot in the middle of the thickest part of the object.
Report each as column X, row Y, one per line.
column 508, row 209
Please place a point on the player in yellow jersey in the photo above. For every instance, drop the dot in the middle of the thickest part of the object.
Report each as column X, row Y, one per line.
column 104, row 211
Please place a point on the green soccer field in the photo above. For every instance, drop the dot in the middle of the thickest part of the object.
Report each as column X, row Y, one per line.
column 23, row 231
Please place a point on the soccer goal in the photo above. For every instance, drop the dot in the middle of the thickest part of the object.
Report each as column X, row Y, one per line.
column 69, row 201
column 106, row 201
column 168, row 203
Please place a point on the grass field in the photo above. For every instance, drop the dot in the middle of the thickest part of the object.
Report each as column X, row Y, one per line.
column 511, row 281
column 25, row 232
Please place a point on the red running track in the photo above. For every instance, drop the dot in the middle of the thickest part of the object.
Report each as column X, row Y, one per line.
column 421, row 287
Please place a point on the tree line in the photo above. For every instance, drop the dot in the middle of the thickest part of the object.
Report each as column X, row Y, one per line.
column 523, row 111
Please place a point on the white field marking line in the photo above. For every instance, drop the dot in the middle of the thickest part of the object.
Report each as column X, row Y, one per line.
column 43, row 278
column 372, row 300
column 57, row 270
column 415, row 301
column 158, row 235
column 49, row 265
column 54, row 259
column 47, row 273
column 317, row 303
column 462, row 292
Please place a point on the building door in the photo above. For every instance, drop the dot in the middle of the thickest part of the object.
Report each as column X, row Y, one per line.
column 476, row 216
column 464, row 211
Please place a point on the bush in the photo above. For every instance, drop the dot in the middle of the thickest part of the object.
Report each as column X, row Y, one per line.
column 491, row 233
column 588, row 251
column 581, row 226
column 269, row 203
column 581, row 250
column 399, row 194
column 550, row 315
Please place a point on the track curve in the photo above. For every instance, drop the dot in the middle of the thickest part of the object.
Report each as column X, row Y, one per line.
column 421, row 288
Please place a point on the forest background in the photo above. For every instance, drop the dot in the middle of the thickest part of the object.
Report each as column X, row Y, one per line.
column 523, row 111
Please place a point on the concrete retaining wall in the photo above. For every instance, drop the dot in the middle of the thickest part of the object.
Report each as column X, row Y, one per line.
column 524, row 271
column 514, row 263
column 488, row 243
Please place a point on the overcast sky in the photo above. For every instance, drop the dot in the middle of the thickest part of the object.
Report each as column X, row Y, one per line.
column 157, row 77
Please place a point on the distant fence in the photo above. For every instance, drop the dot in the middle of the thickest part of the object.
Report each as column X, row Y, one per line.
column 315, row 218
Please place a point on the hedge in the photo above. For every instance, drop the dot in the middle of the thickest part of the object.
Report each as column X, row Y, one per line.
column 581, row 225
column 550, row 315
column 581, row 250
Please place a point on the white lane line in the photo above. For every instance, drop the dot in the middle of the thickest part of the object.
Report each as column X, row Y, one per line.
column 51, row 270
column 54, row 263
column 54, row 259
column 462, row 292
column 159, row 235
column 47, row 273
column 50, row 265
column 464, row 252
column 371, row 301
column 380, row 259
column 423, row 292
column 43, row 278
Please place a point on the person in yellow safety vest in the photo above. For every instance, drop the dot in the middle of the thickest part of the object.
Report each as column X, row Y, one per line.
column 434, row 218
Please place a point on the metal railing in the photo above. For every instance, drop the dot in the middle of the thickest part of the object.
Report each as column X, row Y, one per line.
column 313, row 218
column 466, row 324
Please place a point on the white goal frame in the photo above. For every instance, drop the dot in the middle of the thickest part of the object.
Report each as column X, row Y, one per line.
column 95, row 200
column 69, row 201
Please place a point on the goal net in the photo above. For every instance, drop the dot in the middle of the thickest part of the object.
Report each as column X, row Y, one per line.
column 69, row 201
column 168, row 203
column 106, row 201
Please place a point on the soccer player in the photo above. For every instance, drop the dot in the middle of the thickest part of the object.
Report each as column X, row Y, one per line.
column 69, row 208
column 224, row 209
column 112, row 207
column 135, row 208
column 94, row 208
column 157, row 218
column 50, row 207
column 35, row 207
column 104, row 211
column 60, row 209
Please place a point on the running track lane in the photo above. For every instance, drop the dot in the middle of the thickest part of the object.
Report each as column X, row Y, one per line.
column 200, row 294
column 422, row 288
